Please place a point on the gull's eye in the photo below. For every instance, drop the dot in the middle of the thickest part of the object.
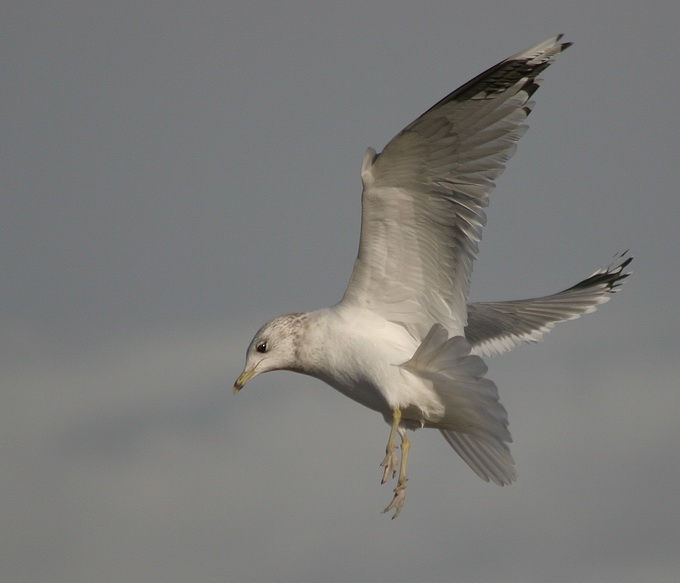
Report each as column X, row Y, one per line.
column 261, row 347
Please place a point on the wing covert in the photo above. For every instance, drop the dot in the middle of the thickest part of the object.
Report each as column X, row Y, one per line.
column 424, row 196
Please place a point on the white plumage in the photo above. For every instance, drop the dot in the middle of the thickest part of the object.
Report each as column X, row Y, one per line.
column 404, row 340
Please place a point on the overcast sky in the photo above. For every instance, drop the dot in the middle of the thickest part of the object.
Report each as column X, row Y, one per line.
column 174, row 174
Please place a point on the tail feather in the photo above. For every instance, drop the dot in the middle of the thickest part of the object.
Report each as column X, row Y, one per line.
column 489, row 459
column 474, row 422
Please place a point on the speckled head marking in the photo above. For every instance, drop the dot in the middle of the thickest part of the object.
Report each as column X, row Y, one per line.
column 276, row 346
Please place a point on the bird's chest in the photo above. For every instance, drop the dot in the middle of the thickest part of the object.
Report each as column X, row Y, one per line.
column 361, row 389
column 363, row 370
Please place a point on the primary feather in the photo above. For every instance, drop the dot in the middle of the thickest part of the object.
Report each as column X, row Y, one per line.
column 424, row 196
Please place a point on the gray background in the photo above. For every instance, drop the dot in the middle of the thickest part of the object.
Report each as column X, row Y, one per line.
column 175, row 173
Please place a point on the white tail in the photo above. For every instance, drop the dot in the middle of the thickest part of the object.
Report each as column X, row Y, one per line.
column 474, row 422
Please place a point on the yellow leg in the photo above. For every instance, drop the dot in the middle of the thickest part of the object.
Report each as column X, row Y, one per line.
column 405, row 448
column 390, row 461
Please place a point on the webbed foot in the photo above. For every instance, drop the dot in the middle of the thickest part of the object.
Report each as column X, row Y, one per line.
column 398, row 501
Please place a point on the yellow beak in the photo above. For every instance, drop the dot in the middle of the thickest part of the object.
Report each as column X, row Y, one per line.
column 241, row 381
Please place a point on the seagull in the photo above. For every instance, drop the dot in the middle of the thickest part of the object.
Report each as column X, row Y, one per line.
column 404, row 341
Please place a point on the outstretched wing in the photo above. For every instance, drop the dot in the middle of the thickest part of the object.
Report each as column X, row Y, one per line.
column 495, row 327
column 424, row 196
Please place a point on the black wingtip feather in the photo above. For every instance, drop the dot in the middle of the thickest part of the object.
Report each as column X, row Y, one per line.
column 611, row 277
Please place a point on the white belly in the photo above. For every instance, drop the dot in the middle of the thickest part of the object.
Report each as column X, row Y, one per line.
column 368, row 371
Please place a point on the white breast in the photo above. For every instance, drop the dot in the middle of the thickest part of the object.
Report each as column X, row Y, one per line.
column 361, row 356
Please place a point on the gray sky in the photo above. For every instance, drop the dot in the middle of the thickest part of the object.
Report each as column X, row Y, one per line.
column 174, row 174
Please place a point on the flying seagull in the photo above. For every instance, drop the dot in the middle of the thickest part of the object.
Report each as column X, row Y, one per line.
column 404, row 341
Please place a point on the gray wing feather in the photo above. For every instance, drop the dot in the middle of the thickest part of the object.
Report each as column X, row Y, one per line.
column 424, row 196
column 495, row 327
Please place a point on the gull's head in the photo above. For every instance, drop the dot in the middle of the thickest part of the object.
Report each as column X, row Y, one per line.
column 274, row 347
